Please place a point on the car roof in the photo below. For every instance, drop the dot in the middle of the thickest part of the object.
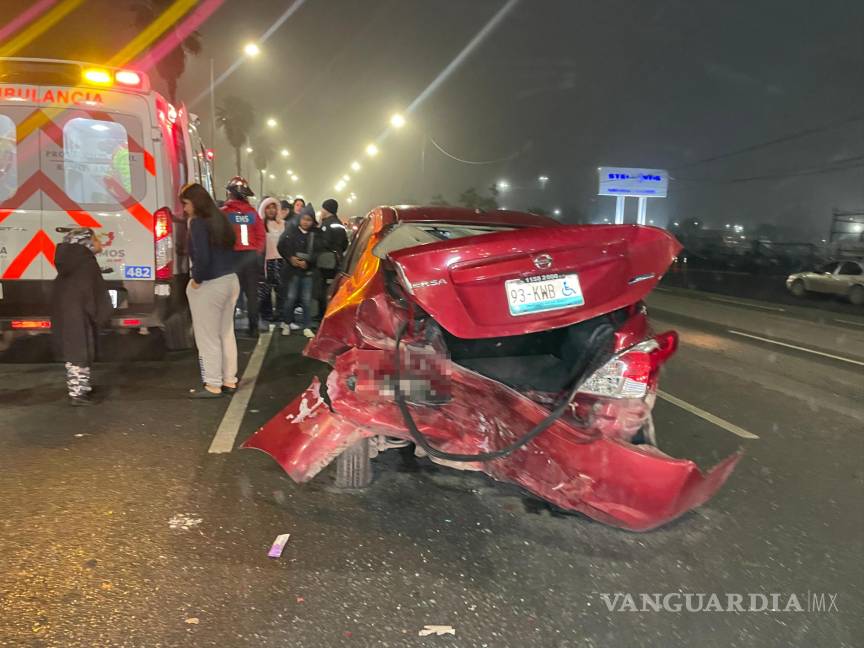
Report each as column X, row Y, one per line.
column 463, row 215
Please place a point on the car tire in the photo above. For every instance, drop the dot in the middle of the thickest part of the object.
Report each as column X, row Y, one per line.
column 798, row 288
column 353, row 466
column 856, row 295
column 178, row 331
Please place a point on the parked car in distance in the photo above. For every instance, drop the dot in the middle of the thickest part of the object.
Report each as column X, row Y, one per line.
column 843, row 278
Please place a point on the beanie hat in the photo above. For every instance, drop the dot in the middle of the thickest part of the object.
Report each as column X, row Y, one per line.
column 308, row 210
column 330, row 205
column 81, row 236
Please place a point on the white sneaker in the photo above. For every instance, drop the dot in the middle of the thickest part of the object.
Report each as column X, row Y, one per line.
column 295, row 327
column 286, row 330
column 309, row 333
column 271, row 327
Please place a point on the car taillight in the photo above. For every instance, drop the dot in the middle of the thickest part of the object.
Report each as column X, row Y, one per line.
column 162, row 229
column 31, row 324
column 631, row 374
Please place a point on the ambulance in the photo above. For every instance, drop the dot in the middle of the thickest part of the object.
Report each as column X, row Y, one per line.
column 94, row 146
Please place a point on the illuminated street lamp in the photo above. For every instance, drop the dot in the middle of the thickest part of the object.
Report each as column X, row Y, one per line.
column 339, row 186
column 249, row 149
column 272, row 176
column 251, row 50
column 397, row 120
column 556, row 212
column 271, row 123
column 502, row 185
column 346, row 177
column 543, row 179
column 285, row 152
column 372, row 150
column 295, row 178
column 355, row 166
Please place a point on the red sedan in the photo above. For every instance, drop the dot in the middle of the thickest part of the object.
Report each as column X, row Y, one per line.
column 502, row 342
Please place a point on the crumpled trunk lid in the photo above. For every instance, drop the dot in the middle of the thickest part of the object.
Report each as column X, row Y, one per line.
column 464, row 283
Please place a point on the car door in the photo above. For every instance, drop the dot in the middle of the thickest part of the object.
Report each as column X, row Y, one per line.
column 822, row 280
column 847, row 274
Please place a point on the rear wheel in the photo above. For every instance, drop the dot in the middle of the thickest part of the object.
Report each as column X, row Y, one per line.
column 856, row 295
column 178, row 331
column 353, row 466
column 798, row 288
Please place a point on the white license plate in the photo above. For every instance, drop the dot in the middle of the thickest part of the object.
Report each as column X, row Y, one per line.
column 544, row 293
column 113, row 294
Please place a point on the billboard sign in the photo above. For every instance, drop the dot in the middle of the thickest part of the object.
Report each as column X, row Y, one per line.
column 618, row 181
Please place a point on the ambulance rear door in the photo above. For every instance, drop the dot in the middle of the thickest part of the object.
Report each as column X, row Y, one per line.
column 24, row 248
column 100, row 174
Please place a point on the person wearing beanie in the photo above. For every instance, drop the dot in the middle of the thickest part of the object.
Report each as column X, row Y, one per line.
column 334, row 243
column 80, row 304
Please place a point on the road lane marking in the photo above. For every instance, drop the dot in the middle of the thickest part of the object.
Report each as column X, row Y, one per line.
column 708, row 416
column 799, row 348
column 849, row 322
column 726, row 300
column 230, row 425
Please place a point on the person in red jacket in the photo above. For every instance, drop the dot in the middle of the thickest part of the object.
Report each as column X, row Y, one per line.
column 251, row 242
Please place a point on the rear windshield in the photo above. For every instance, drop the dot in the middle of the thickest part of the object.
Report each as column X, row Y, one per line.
column 93, row 152
column 446, row 231
column 407, row 235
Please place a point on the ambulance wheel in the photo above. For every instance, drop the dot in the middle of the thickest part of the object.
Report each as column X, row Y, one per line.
column 353, row 466
column 178, row 331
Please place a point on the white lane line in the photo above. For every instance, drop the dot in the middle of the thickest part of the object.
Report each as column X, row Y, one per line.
column 230, row 425
column 726, row 300
column 849, row 322
column 799, row 348
column 708, row 416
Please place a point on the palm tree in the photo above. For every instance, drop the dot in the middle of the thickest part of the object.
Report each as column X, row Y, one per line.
column 263, row 153
column 173, row 64
column 236, row 117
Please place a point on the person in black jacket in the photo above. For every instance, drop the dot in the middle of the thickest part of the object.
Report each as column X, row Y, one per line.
column 80, row 304
column 212, row 291
column 334, row 243
column 299, row 246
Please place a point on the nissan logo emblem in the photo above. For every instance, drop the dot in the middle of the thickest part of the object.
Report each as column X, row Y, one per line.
column 543, row 261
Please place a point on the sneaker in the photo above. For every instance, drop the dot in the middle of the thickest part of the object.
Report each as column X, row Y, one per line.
column 271, row 327
column 286, row 329
column 295, row 327
column 309, row 333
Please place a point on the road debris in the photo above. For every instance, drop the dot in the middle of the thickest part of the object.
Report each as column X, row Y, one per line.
column 183, row 521
column 278, row 545
column 192, row 621
column 437, row 630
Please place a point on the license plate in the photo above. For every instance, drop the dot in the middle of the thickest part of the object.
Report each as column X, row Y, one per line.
column 113, row 295
column 544, row 293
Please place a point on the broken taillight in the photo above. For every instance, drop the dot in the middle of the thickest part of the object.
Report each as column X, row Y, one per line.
column 631, row 374
column 162, row 230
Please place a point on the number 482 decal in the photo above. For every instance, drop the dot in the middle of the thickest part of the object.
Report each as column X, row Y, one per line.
column 137, row 272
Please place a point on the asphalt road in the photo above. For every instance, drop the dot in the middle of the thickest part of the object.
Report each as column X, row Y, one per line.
column 118, row 528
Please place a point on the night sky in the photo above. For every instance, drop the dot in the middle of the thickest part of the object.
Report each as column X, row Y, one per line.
column 558, row 88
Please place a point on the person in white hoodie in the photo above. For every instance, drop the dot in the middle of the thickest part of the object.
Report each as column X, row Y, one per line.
column 274, row 224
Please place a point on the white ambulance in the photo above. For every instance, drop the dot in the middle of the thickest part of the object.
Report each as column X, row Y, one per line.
column 93, row 146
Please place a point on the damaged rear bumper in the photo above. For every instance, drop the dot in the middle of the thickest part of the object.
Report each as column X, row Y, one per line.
column 628, row 486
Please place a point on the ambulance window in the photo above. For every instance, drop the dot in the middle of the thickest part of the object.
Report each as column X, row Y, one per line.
column 96, row 155
column 8, row 158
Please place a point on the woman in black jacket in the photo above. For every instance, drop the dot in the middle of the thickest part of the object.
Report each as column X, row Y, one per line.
column 80, row 304
column 212, row 291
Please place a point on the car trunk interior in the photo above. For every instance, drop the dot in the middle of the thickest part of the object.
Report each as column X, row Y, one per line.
column 547, row 361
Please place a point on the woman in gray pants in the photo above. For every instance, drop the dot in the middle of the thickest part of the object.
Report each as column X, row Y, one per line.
column 212, row 291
